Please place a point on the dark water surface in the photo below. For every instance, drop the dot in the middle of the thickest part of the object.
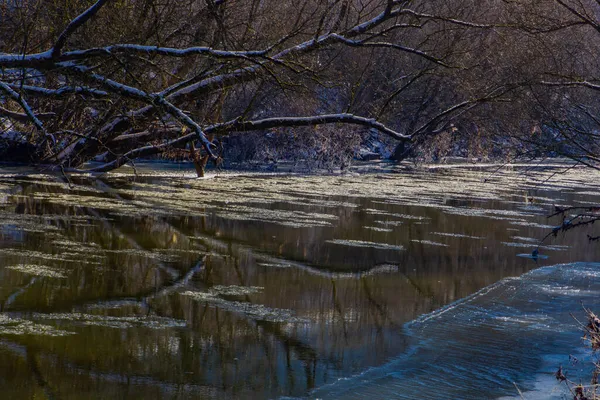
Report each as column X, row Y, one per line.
column 157, row 285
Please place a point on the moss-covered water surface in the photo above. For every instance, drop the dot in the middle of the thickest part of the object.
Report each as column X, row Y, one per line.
column 157, row 285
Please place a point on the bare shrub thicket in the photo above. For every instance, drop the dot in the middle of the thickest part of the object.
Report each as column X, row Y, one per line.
column 113, row 81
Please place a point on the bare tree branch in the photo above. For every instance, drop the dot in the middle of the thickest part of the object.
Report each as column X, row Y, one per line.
column 24, row 105
column 74, row 25
column 24, row 117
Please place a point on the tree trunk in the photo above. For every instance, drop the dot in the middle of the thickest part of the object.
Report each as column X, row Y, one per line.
column 199, row 162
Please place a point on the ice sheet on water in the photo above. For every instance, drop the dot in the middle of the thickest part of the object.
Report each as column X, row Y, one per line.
column 478, row 347
column 533, row 257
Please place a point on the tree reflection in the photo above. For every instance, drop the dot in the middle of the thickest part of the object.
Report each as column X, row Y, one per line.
column 133, row 266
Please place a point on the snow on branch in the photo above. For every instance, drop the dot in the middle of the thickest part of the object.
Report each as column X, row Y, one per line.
column 276, row 122
column 573, row 83
column 25, row 60
column 38, row 91
column 454, row 21
column 24, row 105
column 190, row 123
column 156, row 50
column 362, row 43
column 74, row 25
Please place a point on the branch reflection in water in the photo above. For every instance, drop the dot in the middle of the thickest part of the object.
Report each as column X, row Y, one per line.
column 160, row 286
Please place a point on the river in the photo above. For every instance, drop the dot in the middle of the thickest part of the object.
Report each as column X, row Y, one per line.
column 383, row 283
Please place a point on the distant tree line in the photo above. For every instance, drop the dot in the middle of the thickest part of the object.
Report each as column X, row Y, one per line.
column 117, row 80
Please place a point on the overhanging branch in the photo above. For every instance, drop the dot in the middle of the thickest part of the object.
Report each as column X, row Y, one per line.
column 74, row 25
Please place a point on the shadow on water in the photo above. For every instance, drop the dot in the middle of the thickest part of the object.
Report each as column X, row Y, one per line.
column 161, row 286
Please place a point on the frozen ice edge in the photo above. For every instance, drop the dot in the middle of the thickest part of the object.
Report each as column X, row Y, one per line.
column 371, row 375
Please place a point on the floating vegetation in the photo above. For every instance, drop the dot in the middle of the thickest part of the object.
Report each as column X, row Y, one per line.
column 378, row 229
column 381, row 269
column 304, row 224
column 294, row 218
column 27, row 223
column 171, row 252
column 411, row 217
column 152, row 322
column 526, row 239
column 534, row 209
column 267, row 260
column 321, row 203
column 38, row 270
column 234, row 290
column 373, row 211
column 248, row 223
column 458, row 235
column 18, row 326
column 32, row 254
column 556, row 247
column 77, row 245
column 499, row 215
column 430, row 243
column 389, row 223
column 146, row 254
column 509, row 213
column 253, row 311
column 113, row 305
column 362, row 243
column 87, row 255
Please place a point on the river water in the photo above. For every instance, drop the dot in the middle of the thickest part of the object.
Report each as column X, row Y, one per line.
column 389, row 283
